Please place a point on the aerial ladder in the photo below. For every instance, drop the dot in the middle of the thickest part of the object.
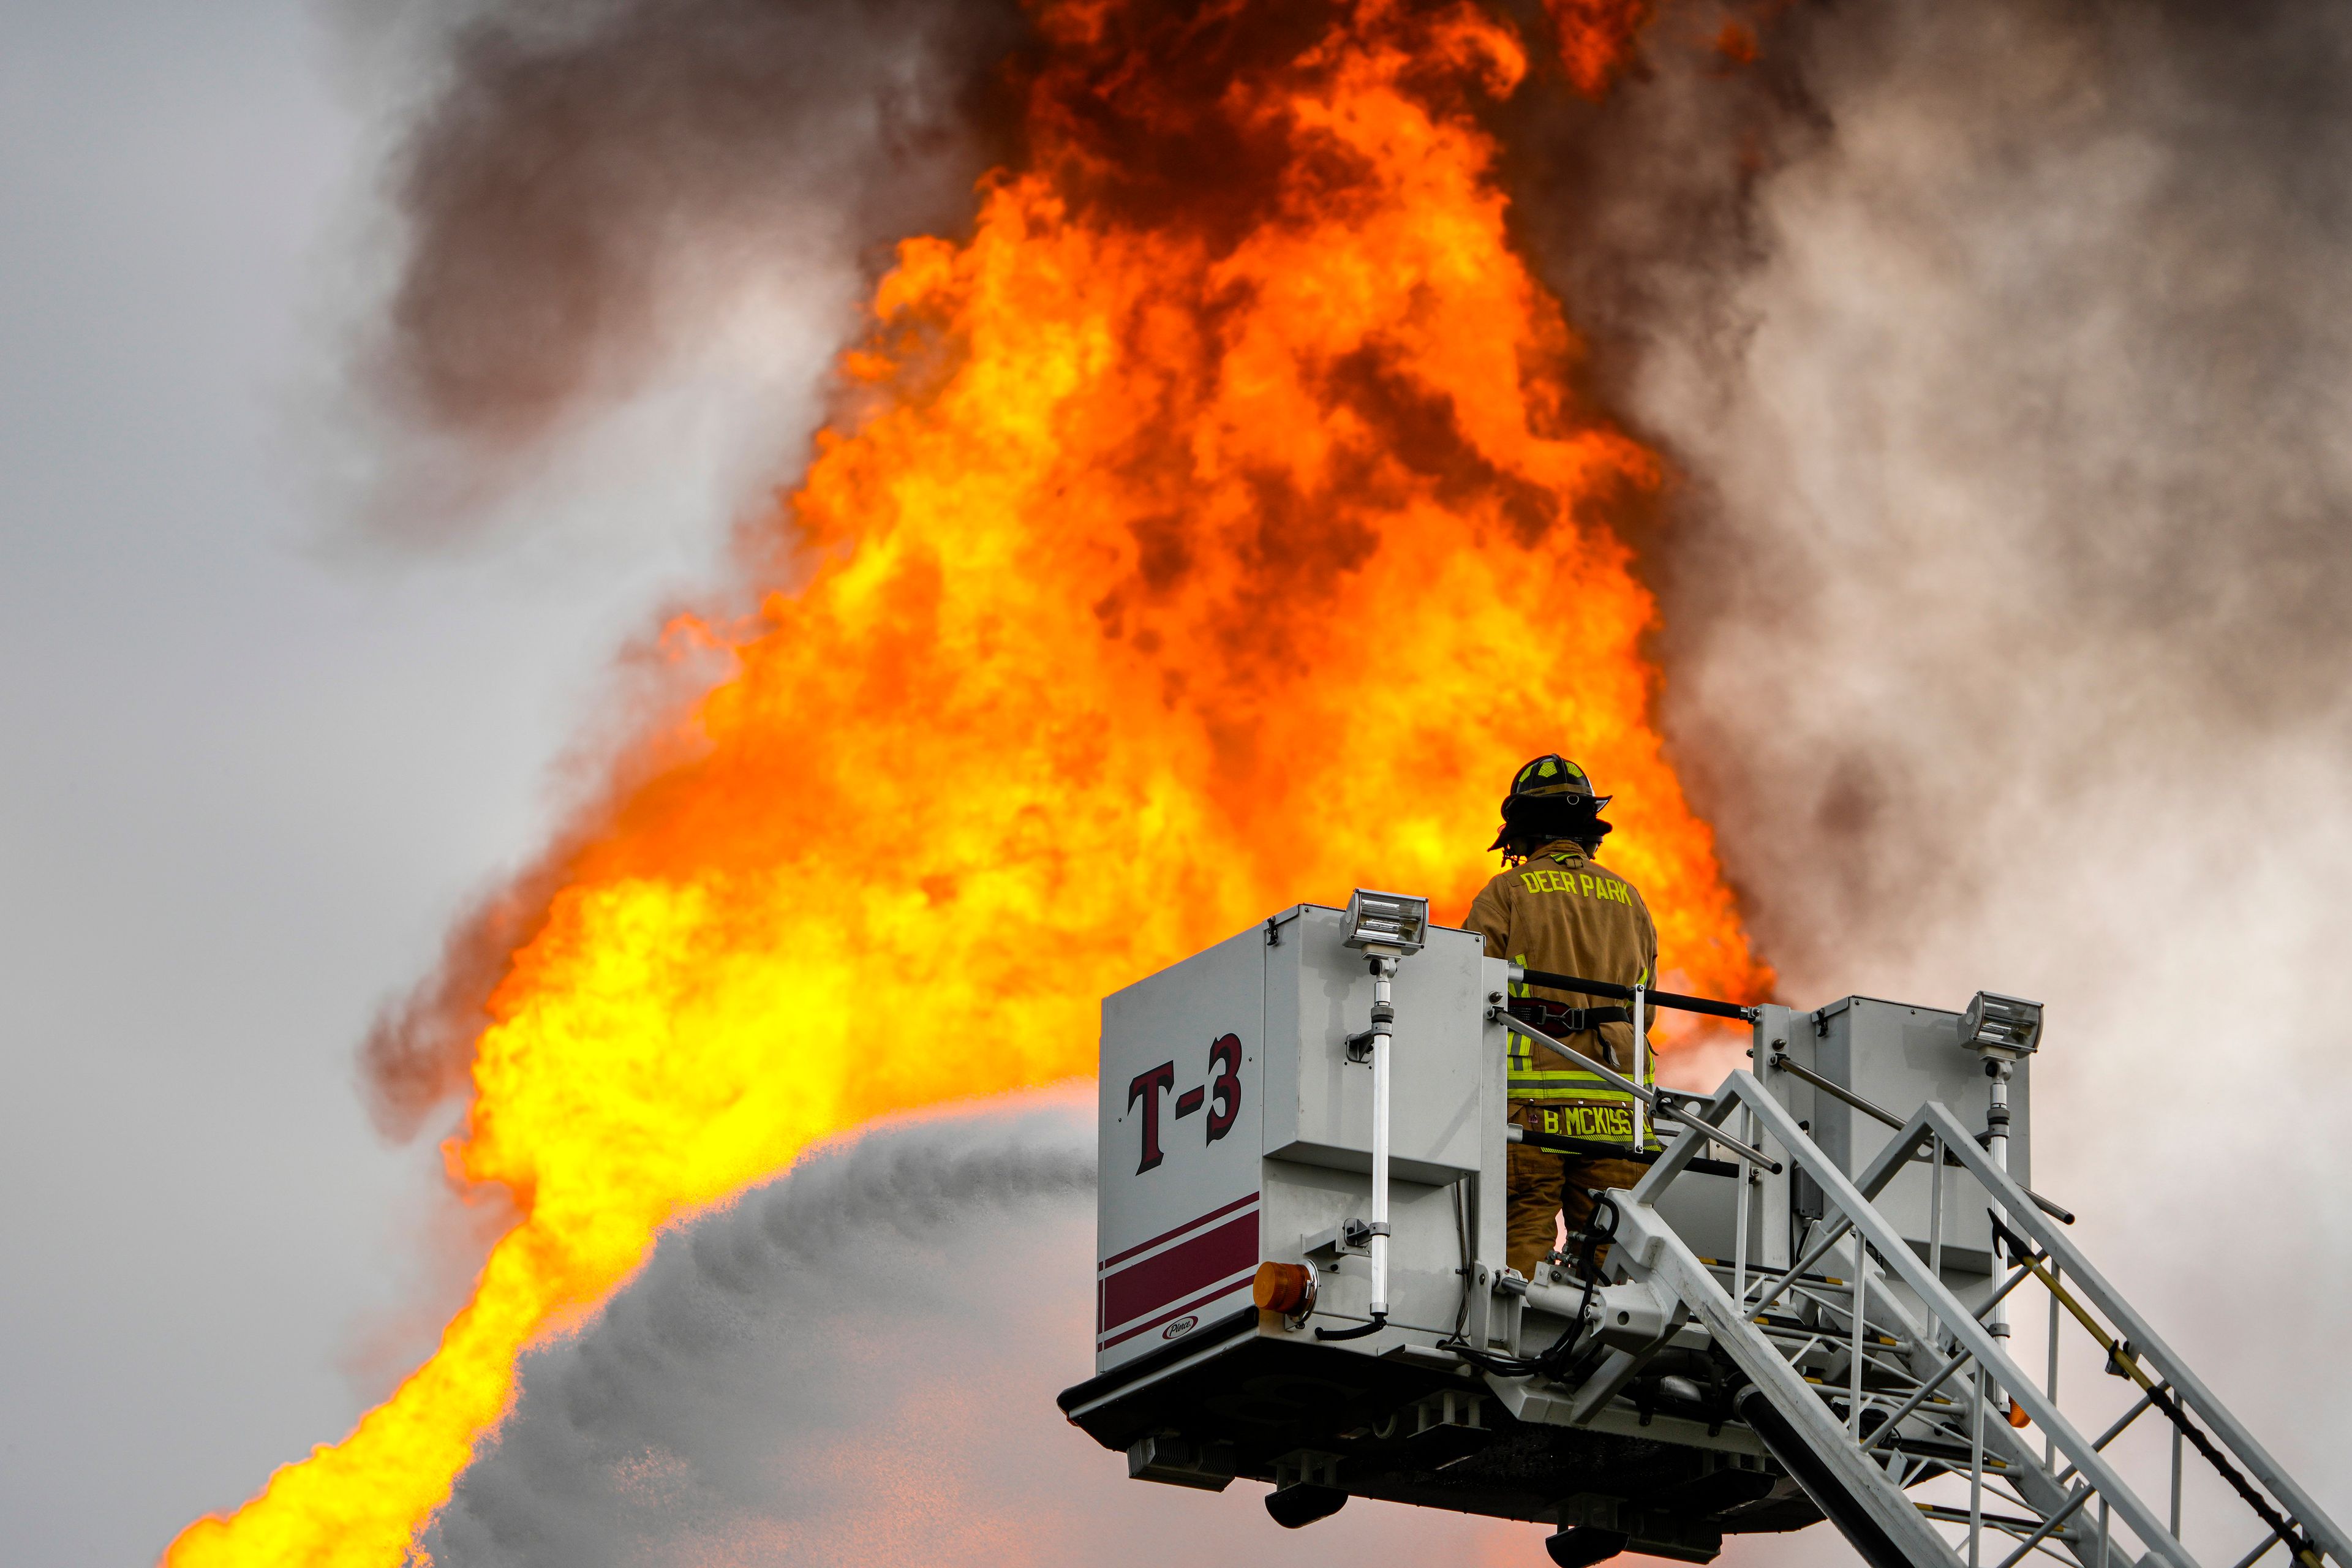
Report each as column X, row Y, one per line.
column 1802, row 1311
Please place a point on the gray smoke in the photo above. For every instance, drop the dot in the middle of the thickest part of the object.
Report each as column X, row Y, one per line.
column 856, row 1364
column 2027, row 462
column 597, row 201
column 2007, row 588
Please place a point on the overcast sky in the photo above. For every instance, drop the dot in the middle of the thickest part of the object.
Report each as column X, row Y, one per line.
column 250, row 772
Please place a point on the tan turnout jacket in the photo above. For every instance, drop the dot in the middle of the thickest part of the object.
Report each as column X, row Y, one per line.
column 1564, row 912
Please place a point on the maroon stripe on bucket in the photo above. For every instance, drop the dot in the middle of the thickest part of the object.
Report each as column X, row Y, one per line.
column 1165, row 1235
column 1185, row 1270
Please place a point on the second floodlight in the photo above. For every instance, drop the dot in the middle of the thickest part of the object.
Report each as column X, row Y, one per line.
column 2005, row 1028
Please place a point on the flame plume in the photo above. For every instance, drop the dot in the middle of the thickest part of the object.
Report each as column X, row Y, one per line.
column 1214, row 529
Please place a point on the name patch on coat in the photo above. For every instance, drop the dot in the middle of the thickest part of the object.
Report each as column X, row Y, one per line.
column 1612, row 1122
column 1581, row 882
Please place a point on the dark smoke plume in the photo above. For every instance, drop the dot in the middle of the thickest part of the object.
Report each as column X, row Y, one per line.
column 418, row 1047
column 593, row 190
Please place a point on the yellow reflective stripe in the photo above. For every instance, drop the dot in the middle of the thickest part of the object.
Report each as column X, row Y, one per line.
column 1578, row 1075
column 1525, row 1088
column 1553, row 1088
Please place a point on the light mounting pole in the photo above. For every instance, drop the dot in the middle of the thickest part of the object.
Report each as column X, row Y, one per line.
column 1386, row 928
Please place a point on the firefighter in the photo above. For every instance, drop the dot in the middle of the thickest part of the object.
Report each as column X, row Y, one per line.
column 1554, row 906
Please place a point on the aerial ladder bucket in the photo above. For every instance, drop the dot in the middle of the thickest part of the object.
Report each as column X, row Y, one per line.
column 1800, row 1313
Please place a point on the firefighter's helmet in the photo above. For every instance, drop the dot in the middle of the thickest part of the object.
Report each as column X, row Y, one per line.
column 1549, row 791
column 1553, row 775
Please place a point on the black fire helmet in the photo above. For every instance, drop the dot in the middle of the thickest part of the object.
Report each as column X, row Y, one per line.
column 1547, row 791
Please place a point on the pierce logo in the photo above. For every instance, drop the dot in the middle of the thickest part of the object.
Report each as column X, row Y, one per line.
column 1181, row 1326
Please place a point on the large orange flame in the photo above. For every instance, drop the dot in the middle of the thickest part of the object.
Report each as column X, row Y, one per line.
column 1214, row 529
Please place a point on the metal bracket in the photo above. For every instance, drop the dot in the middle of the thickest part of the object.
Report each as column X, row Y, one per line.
column 1173, row 1461
column 1610, row 1379
column 1447, row 1407
column 1351, row 1236
column 1360, row 1044
column 1494, row 1308
column 1654, row 1534
column 1306, row 1468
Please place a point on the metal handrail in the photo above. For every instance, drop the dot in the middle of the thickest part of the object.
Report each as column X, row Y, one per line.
column 1783, row 1062
column 1855, row 1207
column 1674, row 999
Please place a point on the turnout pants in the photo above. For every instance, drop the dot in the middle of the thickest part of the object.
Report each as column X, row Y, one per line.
column 1546, row 1187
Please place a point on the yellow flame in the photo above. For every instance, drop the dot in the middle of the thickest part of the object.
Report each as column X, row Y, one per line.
column 1177, row 559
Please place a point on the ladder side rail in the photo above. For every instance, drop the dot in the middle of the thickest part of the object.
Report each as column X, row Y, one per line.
column 1881, row 1234
column 2030, row 1472
column 2028, row 1221
column 1647, row 1243
column 2025, row 1469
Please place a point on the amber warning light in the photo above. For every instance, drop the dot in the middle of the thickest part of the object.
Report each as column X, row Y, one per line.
column 1285, row 1288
